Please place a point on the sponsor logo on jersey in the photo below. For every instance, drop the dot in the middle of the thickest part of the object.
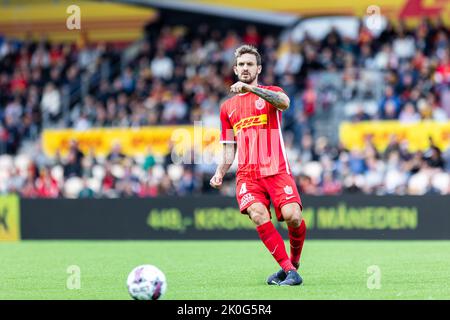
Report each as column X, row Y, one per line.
column 250, row 122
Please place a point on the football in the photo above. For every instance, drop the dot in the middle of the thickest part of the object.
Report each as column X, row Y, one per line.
column 146, row 282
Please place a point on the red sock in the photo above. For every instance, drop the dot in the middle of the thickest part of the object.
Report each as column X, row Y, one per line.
column 275, row 244
column 296, row 239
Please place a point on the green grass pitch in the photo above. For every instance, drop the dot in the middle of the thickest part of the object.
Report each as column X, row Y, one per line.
column 226, row 270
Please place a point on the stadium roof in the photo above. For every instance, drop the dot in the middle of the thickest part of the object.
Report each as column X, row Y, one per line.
column 100, row 21
column 280, row 19
column 283, row 13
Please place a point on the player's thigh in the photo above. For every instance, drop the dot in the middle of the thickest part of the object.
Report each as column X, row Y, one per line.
column 249, row 192
column 283, row 191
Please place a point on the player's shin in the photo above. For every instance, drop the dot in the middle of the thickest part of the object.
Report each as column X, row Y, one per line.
column 296, row 239
column 275, row 244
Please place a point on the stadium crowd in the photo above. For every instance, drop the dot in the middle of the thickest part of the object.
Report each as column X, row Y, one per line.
column 181, row 75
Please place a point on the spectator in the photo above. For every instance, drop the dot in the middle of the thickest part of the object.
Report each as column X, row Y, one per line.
column 360, row 114
column 116, row 155
column 433, row 157
column 289, row 61
column 442, row 74
column 40, row 57
column 175, row 110
column 86, row 191
column 306, row 185
column 15, row 182
column 82, row 123
column 309, row 100
column 149, row 161
column 409, row 114
column 186, row 184
column 149, row 188
column 126, row 189
column 353, row 184
column 356, row 162
column 162, row 66
column 404, row 46
column 29, row 189
column 330, row 186
column 108, row 184
column 14, row 110
column 46, row 186
column 51, row 104
column 386, row 59
column 75, row 149
column 72, row 168
column 252, row 36
column 11, row 134
column 308, row 152
column 166, row 187
column 390, row 105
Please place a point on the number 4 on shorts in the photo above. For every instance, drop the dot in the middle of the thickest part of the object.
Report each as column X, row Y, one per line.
column 243, row 189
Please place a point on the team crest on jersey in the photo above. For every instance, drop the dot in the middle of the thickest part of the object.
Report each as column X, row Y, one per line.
column 288, row 190
column 260, row 103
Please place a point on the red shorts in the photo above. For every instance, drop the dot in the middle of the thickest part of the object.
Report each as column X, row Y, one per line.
column 279, row 188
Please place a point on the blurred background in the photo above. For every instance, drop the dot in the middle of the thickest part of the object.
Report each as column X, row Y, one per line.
column 90, row 112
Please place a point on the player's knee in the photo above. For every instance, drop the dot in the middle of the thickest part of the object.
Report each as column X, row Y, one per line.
column 295, row 221
column 258, row 213
column 293, row 216
column 259, row 219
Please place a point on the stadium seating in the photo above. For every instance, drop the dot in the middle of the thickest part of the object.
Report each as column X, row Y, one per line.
column 164, row 80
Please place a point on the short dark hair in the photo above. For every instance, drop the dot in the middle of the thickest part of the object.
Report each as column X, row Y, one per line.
column 246, row 48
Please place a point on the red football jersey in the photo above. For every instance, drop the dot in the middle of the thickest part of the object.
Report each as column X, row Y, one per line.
column 255, row 125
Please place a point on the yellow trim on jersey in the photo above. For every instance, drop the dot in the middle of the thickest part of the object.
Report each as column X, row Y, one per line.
column 250, row 122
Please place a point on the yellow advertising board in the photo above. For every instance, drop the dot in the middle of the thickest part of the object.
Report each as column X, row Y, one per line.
column 9, row 218
column 134, row 142
column 355, row 135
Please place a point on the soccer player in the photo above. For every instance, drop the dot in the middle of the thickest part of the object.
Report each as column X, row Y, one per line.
column 251, row 121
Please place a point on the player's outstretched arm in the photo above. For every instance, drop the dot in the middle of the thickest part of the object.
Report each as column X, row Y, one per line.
column 278, row 99
column 228, row 155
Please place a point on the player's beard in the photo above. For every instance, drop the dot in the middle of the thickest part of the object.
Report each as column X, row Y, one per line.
column 249, row 79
